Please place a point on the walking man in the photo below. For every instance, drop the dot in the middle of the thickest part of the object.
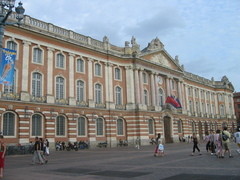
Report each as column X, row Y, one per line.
column 225, row 140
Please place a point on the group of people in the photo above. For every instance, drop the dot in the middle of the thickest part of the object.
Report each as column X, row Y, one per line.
column 41, row 150
column 217, row 143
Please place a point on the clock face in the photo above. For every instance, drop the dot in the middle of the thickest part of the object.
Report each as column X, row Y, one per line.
column 160, row 80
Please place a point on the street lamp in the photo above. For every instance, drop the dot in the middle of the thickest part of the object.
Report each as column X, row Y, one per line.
column 5, row 12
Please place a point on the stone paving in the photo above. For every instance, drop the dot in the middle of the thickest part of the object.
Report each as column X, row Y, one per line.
column 126, row 163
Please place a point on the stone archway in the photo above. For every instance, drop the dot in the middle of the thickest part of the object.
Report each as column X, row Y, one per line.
column 167, row 129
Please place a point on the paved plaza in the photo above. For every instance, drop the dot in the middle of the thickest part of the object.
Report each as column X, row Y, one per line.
column 126, row 163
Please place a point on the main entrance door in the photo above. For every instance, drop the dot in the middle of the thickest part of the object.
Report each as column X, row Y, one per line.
column 168, row 129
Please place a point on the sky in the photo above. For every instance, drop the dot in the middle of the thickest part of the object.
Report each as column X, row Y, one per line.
column 204, row 34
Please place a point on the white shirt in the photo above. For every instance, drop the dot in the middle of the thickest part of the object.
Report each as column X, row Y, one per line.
column 237, row 136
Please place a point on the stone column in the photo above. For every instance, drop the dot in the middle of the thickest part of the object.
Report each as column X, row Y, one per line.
column 25, row 96
column 187, row 100
column 216, row 104
column 130, row 88
column 226, row 104
column 109, row 86
column 194, row 101
column 156, row 90
column 168, row 86
column 141, row 86
column 50, row 81
column 72, row 99
column 180, row 94
column 153, row 90
column 137, row 88
column 90, row 83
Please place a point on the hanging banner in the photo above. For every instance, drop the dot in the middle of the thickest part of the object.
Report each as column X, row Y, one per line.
column 7, row 66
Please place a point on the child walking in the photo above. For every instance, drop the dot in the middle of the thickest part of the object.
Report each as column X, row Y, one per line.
column 161, row 149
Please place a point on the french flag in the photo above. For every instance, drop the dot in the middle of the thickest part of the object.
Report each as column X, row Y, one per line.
column 175, row 102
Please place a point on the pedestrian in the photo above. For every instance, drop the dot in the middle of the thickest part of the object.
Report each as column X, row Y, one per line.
column 137, row 143
column 157, row 143
column 46, row 144
column 225, row 140
column 218, row 143
column 42, row 151
column 2, row 155
column 160, row 149
column 207, row 141
column 36, row 155
column 195, row 144
column 212, row 145
column 237, row 139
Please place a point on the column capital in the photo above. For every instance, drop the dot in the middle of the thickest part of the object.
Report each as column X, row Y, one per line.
column 71, row 54
column 26, row 43
column 50, row 49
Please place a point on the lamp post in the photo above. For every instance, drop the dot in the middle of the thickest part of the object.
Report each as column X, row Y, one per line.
column 6, row 10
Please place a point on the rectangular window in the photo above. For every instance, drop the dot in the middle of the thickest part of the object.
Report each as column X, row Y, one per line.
column 60, row 61
column 80, row 65
column 37, row 55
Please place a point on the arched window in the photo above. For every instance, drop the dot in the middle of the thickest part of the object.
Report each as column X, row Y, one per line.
column 193, row 127
column 9, row 124
column 118, row 92
column 117, row 74
column 37, row 85
column 59, row 88
column 151, row 126
column 222, row 111
column 99, row 126
column 120, row 127
column 80, row 91
column 80, row 65
column 60, row 61
column 180, row 126
column 160, row 95
column 98, row 93
column 145, row 97
column 60, row 126
column 37, row 55
column 98, row 70
column 12, row 45
column 36, row 125
column 81, row 126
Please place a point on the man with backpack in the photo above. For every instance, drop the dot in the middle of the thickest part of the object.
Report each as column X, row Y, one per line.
column 225, row 142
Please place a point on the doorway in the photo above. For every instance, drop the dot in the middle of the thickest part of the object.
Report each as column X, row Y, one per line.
column 168, row 130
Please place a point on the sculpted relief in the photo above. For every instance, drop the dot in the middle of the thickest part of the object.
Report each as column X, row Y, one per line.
column 159, row 58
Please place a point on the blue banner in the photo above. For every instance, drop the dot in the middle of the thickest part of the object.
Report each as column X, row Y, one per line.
column 7, row 66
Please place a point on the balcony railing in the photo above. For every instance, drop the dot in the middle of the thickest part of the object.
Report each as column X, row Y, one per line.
column 11, row 96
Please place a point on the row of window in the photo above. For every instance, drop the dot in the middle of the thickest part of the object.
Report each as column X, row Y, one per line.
column 37, row 90
column 208, row 95
column 37, row 124
column 210, row 109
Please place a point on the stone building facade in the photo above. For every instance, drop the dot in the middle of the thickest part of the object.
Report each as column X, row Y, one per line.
column 71, row 87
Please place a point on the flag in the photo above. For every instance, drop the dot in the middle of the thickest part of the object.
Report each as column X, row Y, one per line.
column 7, row 66
column 173, row 101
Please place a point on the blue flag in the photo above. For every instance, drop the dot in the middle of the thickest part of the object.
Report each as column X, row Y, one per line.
column 7, row 66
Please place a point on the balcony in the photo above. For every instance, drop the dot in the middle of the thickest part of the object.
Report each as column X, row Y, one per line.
column 11, row 96
column 61, row 101
column 82, row 104
column 120, row 107
column 38, row 99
